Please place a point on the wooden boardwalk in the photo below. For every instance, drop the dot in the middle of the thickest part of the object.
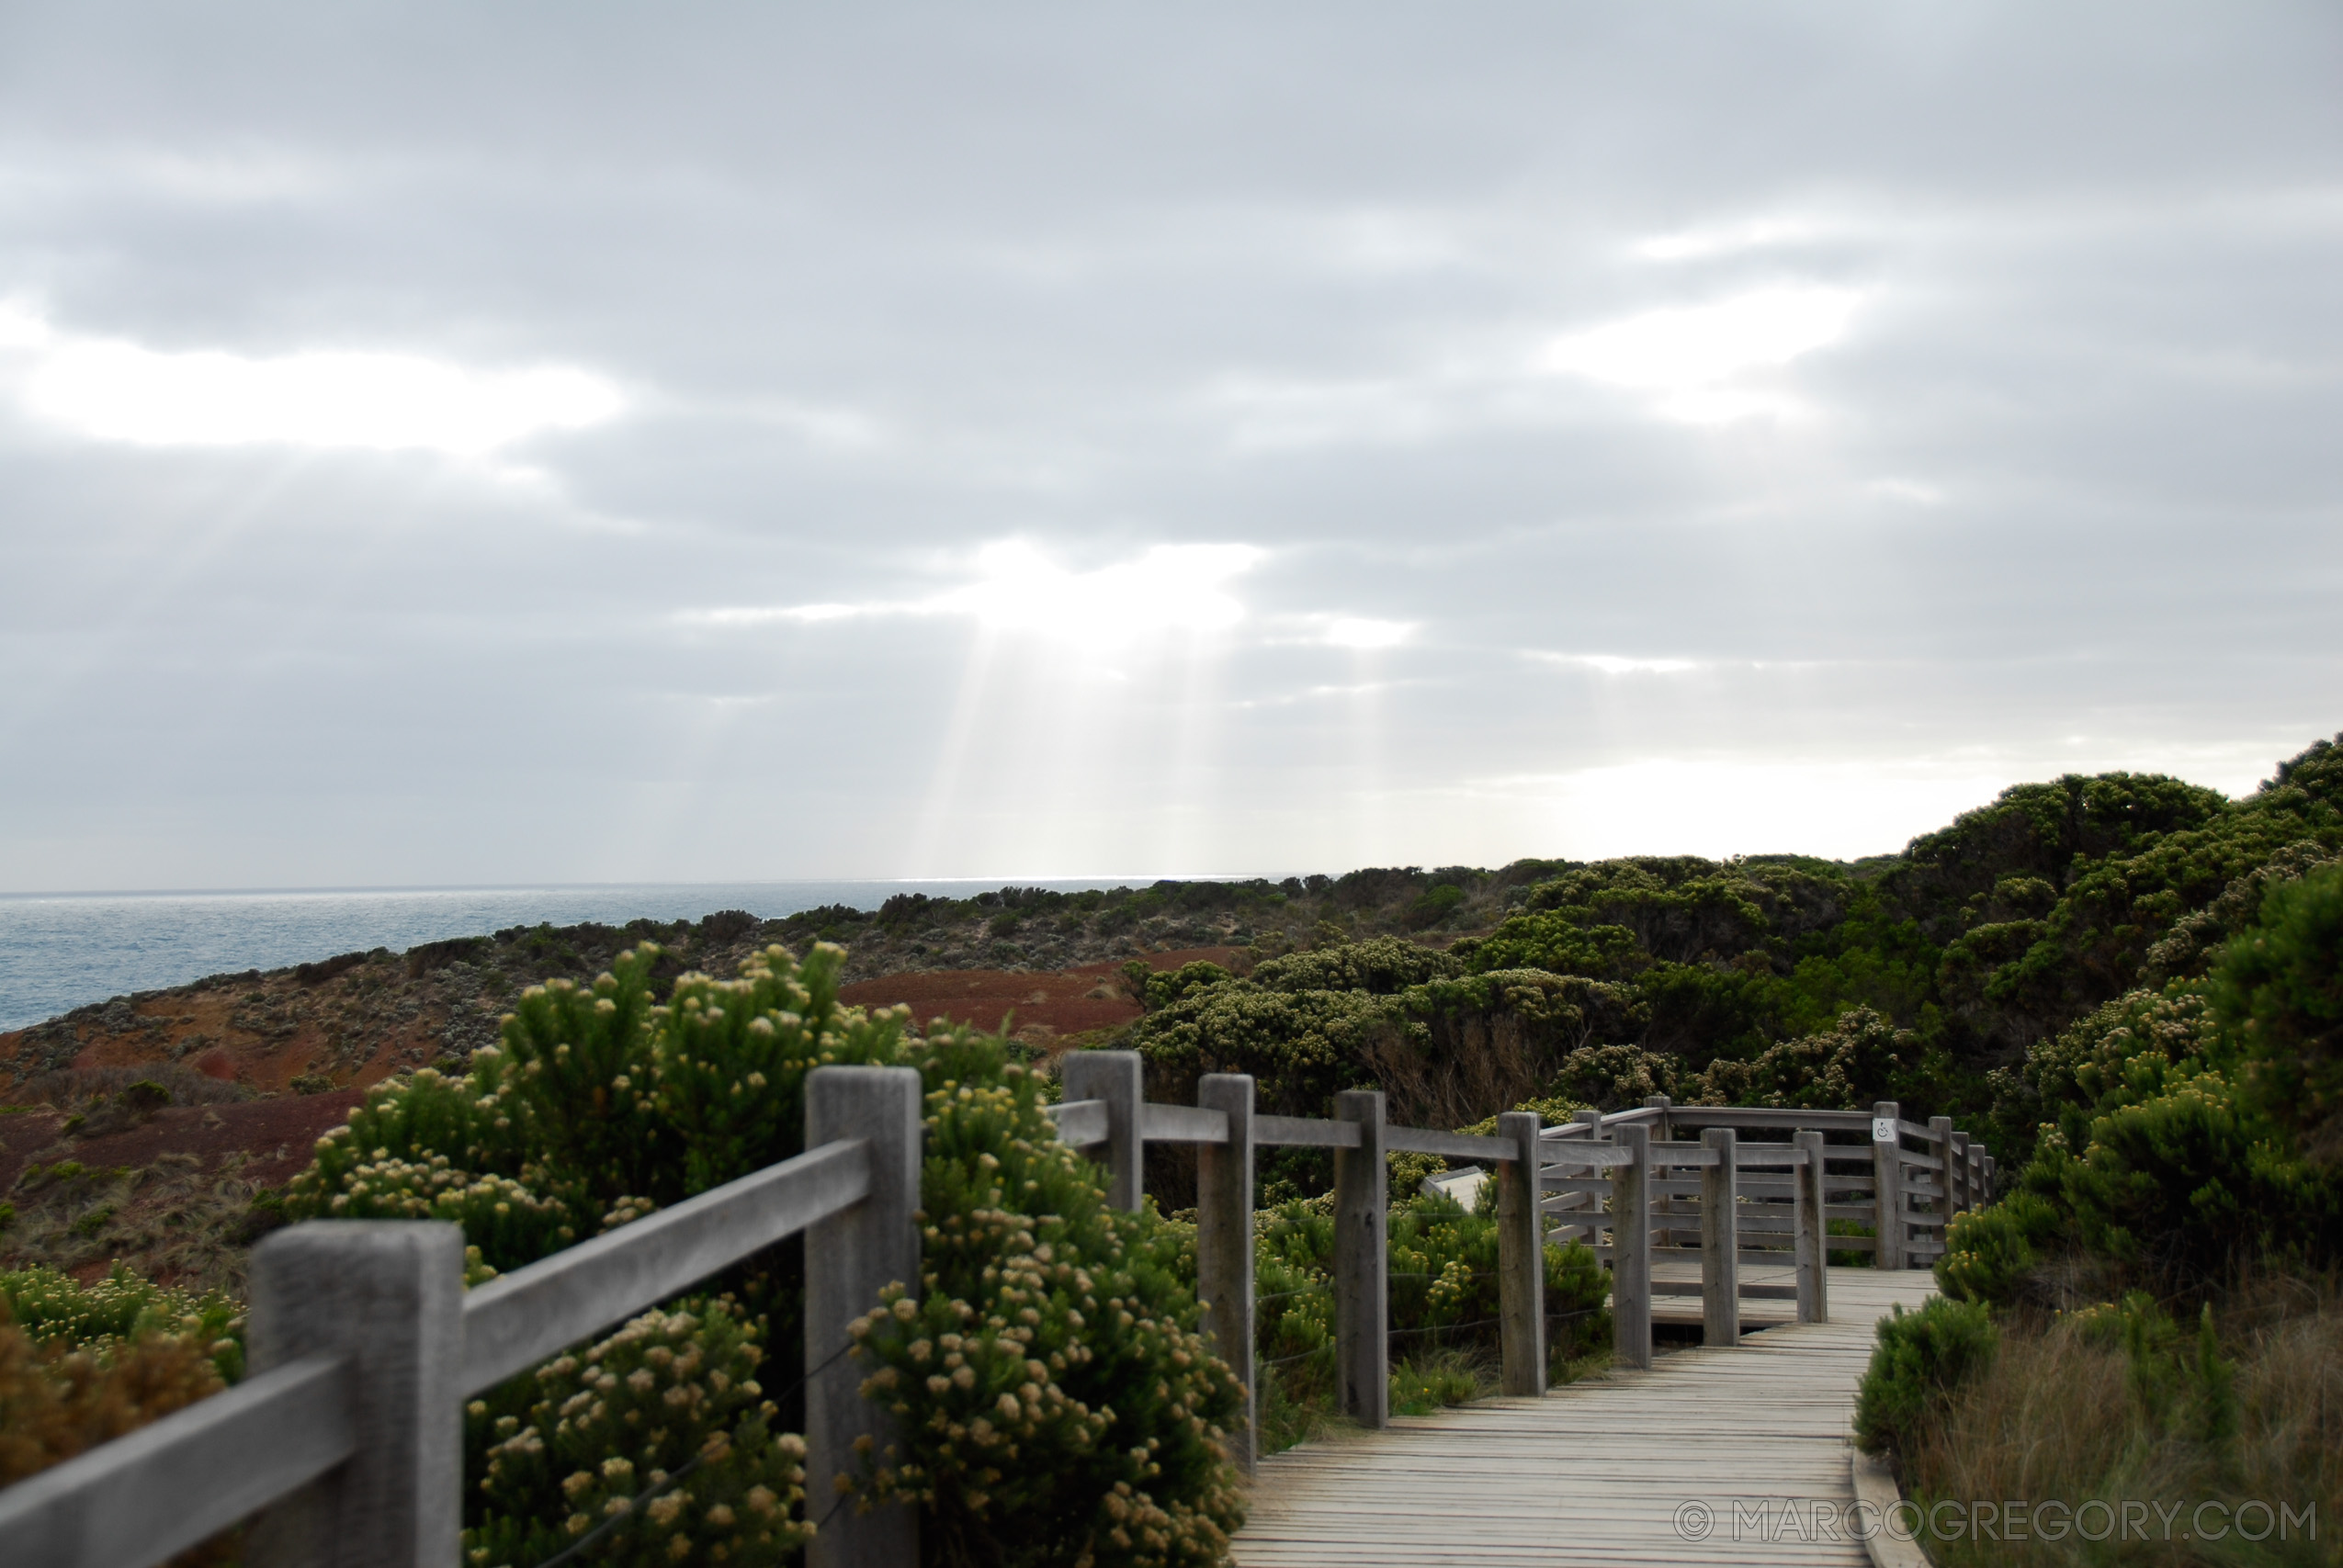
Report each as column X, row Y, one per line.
column 1595, row 1472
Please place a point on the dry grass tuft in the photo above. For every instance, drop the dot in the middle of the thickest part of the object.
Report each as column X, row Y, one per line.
column 169, row 1222
column 2061, row 1414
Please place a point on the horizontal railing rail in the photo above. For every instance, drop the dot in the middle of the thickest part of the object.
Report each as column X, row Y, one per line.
column 1598, row 1178
column 347, row 1440
column 166, row 1486
column 515, row 1322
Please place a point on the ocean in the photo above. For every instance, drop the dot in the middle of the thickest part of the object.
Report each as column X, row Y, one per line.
column 60, row 951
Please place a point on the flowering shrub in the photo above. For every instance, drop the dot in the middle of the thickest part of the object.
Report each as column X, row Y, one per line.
column 1057, row 1404
column 1989, row 1252
column 602, row 1106
column 667, row 1407
column 62, row 1314
column 1846, row 1069
column 81, row 1365
column 599, row 1100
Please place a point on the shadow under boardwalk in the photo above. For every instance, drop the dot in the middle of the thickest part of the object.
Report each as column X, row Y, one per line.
column 1598, row 1471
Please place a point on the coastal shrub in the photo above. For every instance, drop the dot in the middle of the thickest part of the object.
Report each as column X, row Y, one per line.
column 1921, row 1358
column 1990, row 1252
column 1444, row 1294
column 1553, row 942
column 1615, row 1078
column 56, row 1401
column 1301, row 1046
column 2279, row 990
column 2127, row 1049
column 1056, row 1399
column 1856, row 1062
column 83, row 1365
column 1381, row 966
column 1160, row 990
column 2186, row 1186
column 1438, row 903
column 601, row 1105
column 59, row 1313
column 666, row 1413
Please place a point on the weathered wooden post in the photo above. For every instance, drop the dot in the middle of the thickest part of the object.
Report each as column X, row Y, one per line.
column 1116, row 1078
column 850, row 1257
column 1989, row 1183
column 1361, row 1264
column 1811, row 1232
column 1939, row 1146
column 1887, row 1183
column 1979, row 1192
column 1720, row 1241
column 1957, row 1175
column 1521, row 1256
column 1572, row 1203
column 1225, row 1243
column 1630, row 1250
column 387, row 1294
column 1663, row 1129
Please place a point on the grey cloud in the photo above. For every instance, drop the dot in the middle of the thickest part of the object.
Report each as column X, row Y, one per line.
column 888, row 286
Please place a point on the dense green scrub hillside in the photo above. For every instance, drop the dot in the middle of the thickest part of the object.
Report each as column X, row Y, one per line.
column 1769, row 979
column 2152, row 1316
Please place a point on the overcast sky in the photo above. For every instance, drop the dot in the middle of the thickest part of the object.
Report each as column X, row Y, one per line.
column 477, row 443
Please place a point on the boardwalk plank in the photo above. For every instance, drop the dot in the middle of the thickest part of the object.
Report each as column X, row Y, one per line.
column 1590, row 1476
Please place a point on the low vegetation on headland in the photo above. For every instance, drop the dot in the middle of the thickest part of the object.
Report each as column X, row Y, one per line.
column 2152, row 1316
column 2113, row 982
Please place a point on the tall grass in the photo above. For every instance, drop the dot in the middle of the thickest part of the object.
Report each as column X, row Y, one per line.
column 2073, row 1411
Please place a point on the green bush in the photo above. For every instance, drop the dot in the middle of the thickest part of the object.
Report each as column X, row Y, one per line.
column 2186, row 1186
column 1056, row 1398
column 1444, row 1295
column 1381, row 966
column 1549, row 941
column 587, row 1435
column 1160, row 990
column 1922, row 1357
column 603, row 1105
column 2279, row 988
column 1989, row 1252
column 1853, row 1064
column 61, row 1316
column 2131, row 1049
column 1301, row 1046
column 1618, row 1078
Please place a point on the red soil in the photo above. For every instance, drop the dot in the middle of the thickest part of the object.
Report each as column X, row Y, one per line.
column 278, row 1137
column 1035, row 1006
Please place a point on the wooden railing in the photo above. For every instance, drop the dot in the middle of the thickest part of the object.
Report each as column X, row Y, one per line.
column 347, row 1440
column 1620, row 1182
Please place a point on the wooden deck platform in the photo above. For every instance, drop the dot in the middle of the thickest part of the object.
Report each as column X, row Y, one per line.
column 1594, row 1474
